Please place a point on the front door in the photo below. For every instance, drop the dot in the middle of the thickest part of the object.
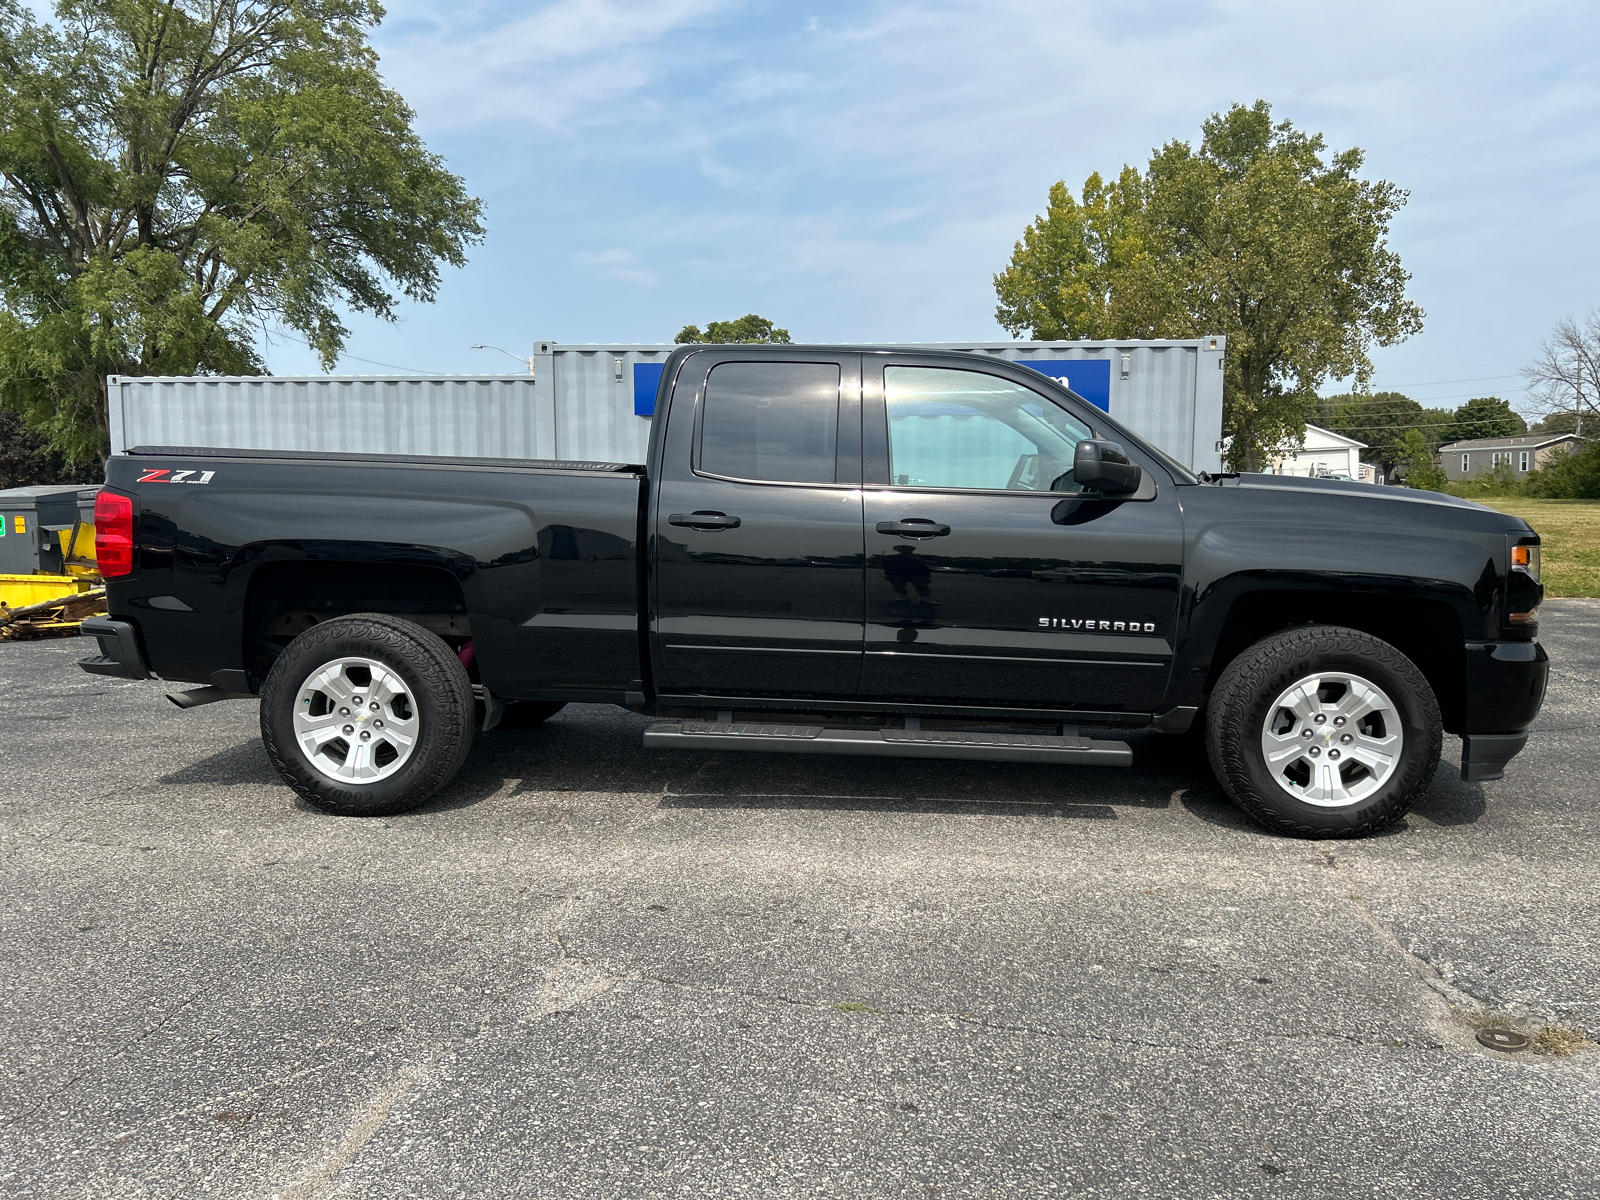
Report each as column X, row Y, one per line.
column 988, row 580
column 757, row 549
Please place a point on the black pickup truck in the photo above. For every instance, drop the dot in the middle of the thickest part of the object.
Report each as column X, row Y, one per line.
column 834, row 551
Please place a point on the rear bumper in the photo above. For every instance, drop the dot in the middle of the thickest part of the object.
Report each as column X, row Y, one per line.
column 1505, row 689
column 119, row 650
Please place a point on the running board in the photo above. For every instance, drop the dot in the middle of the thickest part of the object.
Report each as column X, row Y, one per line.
column 891, row 743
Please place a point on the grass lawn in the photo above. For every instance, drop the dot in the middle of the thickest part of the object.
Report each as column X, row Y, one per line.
column 1569, row 531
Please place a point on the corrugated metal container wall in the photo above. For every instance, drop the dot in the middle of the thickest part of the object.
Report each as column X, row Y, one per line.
column 1169, row 392
column 596, row 417
column 470, row 416
column 593, row 402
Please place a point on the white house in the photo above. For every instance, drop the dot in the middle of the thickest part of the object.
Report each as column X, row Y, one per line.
column 1324, row 453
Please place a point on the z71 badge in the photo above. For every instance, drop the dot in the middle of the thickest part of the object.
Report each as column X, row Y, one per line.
column 1086, row 626
column 168, row 475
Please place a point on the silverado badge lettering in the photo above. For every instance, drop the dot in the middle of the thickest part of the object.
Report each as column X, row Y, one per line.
column 161, row 474
column 1088, row 626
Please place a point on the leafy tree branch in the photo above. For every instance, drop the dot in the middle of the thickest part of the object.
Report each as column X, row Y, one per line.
column 1259, row 234
column 174, row 174
column 746, row 329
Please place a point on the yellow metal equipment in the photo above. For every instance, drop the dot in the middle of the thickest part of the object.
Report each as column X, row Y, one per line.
column 37, row 606
column 19, row 591
column 77, row 550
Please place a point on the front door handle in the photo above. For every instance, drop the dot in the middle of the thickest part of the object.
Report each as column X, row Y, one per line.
column 914, row 527
column 704, row 520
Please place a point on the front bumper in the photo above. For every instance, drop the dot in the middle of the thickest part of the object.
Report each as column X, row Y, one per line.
column 1485, row 755
column 119, row 650
column 1505, row 688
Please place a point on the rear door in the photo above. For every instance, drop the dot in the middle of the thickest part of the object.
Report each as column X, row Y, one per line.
column 987, row 579
column 757, row 551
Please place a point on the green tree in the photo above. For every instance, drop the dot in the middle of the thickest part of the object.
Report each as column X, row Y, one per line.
column 1487, row 417
column 748, row 329
column 26, row 459
column 1421, row 469
column 1573, row 475
column 1259, row 234
column 1557, row 422
column 1439, row 425
column 176, row 175
column 1382, row 420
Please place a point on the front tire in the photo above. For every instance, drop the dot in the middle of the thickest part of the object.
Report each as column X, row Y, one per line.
column 367, row 715
column 1323, row 732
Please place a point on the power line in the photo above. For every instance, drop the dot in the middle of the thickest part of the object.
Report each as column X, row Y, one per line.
column 1474, row 379
column 1352, row 431
column 1406, row 425
column 356, row 357
column 1427, row 400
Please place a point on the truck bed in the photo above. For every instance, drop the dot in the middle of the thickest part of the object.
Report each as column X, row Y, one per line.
column 245, row 548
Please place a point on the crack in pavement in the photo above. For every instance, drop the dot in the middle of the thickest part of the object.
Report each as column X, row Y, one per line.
column 1423, row 970
column 970, row 1019
column 1456, row 1001
column 109, row 1058
column 317, row 1182
column 566, row 984
column 572, row 981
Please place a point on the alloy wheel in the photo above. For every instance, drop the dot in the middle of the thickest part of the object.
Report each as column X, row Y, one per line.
column 1332, row 739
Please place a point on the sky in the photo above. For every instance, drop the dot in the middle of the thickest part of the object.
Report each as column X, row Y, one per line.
column 858, row 172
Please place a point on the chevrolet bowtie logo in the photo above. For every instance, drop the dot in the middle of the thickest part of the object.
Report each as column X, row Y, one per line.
column 1084, row 625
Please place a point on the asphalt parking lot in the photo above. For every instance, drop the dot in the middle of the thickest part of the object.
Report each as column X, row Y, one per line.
column 593, row 971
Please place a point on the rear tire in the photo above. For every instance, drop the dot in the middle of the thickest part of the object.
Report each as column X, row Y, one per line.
column 1323, row 732
column 367, row 715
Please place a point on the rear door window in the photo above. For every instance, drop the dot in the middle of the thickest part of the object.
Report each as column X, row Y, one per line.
column 771, row 421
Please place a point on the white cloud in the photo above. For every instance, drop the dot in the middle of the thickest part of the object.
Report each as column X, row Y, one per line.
column 554, row 66
column 860, row 170
column 617, row 263
column 751, row 86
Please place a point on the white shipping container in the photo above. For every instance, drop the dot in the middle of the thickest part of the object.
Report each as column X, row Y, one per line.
column 593, row 403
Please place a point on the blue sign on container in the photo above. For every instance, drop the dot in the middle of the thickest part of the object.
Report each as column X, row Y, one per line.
column 1089, row 377
column 646, row 380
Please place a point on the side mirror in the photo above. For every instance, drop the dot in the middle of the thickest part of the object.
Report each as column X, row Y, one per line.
column 1103, row 467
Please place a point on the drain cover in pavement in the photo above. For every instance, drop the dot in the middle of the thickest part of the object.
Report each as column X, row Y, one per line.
column 1503, row 1039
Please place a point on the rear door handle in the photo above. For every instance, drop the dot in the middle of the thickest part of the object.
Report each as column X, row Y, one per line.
column 915, row 527
column 704, row 520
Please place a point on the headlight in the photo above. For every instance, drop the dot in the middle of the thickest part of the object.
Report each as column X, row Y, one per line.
column 1525, row 557
column 1523, row 590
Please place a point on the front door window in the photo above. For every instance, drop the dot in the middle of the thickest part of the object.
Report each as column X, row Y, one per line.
column 964, row 429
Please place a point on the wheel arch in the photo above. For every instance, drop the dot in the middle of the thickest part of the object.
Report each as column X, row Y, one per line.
column 1426, row 629
column 286, row 596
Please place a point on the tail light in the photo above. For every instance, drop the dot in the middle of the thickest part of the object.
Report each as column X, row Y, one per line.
column 113, row 533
